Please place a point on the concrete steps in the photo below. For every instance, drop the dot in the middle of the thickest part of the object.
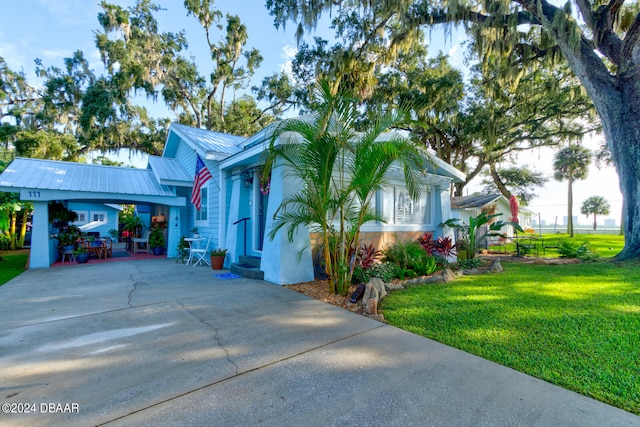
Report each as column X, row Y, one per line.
column 249, row 267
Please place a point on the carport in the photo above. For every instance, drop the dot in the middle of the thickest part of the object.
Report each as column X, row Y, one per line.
column 42, row 181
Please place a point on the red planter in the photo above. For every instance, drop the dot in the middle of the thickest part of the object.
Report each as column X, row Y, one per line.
column 217, row 262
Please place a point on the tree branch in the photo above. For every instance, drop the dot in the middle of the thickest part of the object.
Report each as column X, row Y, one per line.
column 630, row 43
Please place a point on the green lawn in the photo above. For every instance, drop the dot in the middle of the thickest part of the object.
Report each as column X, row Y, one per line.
column 605, row 245
column 11, row 266
column 577, row 326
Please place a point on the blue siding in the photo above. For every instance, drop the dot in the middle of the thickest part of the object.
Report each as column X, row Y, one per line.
column 187, row 157
column 88, row 210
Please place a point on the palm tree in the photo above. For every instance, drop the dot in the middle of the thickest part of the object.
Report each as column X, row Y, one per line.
column 571, row 163
column 596, row 205
column 340, row 170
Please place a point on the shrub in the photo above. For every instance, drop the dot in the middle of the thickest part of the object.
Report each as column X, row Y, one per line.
column 361, row 275
column 386, row 271
column 411, row 258
column 470, row 263
column 403, row 254
column 581, row 251
column 442, row 246
column 366, row 256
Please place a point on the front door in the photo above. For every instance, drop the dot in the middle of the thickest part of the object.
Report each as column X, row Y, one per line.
column 263, row 199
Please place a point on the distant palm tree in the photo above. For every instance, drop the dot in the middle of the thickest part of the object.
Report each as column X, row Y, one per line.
column 571, row 163
column 596, row 205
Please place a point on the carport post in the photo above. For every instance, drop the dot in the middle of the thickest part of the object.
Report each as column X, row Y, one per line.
column 40, row 256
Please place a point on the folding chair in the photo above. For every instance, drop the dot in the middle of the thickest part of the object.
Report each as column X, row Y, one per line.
column 68, row 253
column 141, row 240
column 200, row 255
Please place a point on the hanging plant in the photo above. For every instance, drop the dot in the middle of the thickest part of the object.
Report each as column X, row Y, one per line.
column 265, row 185
column 265, row 177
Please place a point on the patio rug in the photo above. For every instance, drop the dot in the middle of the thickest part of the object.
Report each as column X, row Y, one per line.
column 226, row 276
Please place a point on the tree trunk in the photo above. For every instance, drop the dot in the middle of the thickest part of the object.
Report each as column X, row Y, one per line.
column 570, row 207
column 622, row 131
column 23, row 227
column 12, row 231
column 594, row 221
column 617, row 100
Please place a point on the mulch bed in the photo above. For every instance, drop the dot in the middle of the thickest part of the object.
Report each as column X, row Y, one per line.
column 319, row 289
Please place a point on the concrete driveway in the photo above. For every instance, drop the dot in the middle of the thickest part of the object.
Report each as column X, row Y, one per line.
column 159, row 343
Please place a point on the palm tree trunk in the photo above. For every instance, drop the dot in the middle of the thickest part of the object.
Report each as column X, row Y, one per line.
column 570, row 208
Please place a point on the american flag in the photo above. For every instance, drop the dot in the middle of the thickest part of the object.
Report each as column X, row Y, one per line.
column 202, row 175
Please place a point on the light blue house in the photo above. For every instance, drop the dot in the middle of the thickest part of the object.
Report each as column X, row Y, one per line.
column 235, row 213
column 98, row 218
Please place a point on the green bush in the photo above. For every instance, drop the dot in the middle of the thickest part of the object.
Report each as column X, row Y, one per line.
column 470, row 263
column 387, row 271
column 573, row 249
column 411, row 259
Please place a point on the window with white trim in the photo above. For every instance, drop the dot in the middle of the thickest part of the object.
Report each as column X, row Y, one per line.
column 82, row 217
column 98, row 216
column 397, row 207
column 202, row 215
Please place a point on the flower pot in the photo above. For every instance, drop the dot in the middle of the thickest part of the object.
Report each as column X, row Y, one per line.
column 82, row 258
column 217, row 261
column 157, row 250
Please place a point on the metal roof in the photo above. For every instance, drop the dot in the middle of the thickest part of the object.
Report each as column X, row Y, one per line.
column 206, row 141
column 473, row 201
column 170, row 171
column 37, row 174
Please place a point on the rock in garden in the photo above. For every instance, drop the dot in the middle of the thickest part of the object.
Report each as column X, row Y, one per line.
column 372, row 306
column 448, row 275
column 378, row 317
column 495, row 266
column 374, row 290
column 390, row 287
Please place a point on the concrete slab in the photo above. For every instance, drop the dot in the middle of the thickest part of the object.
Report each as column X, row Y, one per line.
column 159, row 343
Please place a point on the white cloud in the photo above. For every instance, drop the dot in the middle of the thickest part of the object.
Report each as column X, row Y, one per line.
column 288, row 53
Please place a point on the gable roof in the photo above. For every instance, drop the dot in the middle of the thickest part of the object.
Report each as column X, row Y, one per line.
column 56, row 180
column 208, row 144
column 473, row 201
column 169, row 171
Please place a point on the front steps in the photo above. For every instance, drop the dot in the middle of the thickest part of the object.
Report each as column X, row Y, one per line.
column 249, row 267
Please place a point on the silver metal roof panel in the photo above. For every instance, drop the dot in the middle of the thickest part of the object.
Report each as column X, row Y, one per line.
column 207, row 141
column 54, row 175
column 170, row 171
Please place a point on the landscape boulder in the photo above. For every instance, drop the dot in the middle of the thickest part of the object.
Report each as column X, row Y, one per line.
column 374, row 292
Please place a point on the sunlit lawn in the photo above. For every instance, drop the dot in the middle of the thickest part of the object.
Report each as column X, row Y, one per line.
column 605, row 245
column 577, row 326
column 11, row 266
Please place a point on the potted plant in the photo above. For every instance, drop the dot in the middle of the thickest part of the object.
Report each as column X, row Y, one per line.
column 114, row 234
column 157, row 241
column 81, row 255
column 217, row 258
column 66, row 240
column 194, row 230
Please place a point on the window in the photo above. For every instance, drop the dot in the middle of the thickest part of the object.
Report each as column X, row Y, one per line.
column 98, row 216
column 397, row 207
column 202, row 214
column 83, row 217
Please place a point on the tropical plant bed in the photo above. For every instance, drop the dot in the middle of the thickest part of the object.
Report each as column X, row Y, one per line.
column 319, row 289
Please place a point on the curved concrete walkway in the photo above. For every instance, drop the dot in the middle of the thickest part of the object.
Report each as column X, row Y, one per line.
column 158, row 343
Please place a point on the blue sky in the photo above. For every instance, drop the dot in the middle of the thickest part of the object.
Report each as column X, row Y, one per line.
column 53, row 29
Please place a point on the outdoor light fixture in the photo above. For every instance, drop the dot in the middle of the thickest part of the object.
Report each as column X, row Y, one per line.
column 248, row 179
